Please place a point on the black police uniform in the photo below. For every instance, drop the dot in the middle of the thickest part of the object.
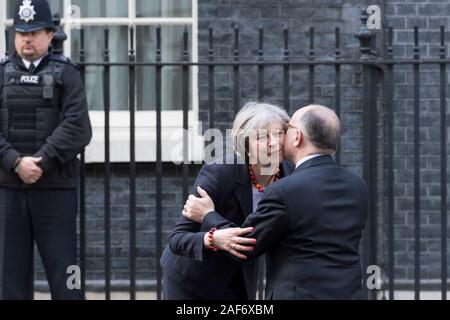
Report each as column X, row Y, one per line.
column 43, row 113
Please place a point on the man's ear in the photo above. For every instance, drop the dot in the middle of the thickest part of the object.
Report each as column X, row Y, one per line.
column 50, row 34
column 298, row 138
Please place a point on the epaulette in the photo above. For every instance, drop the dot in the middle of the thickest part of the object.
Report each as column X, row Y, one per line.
column 60, row 58
column 4, row 60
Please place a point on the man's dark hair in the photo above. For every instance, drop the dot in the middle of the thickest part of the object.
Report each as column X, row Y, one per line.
column 322, row 134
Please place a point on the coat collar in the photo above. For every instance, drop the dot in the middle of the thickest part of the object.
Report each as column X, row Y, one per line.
column 244, row 191
column 16, row 59
column 243, row 177
column 315, row 162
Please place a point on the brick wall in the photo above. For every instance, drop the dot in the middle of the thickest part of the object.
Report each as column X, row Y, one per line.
column 428, row 16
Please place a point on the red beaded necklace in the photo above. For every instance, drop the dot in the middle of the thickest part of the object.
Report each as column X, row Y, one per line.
column 260, row 188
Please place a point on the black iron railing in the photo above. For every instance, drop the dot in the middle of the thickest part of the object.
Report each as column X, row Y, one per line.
column 377, row 68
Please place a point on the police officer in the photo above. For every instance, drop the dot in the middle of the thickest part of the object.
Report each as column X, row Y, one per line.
column 44, row 125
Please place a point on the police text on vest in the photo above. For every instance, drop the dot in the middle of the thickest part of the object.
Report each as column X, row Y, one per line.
column 29, row 79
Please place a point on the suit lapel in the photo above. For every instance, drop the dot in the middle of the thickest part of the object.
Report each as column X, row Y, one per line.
column 244, row 191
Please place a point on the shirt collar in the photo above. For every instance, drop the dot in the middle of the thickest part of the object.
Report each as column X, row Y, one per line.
column 27, row 63
column 304, row 159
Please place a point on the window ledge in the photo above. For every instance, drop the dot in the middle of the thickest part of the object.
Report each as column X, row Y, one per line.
column 145, row 133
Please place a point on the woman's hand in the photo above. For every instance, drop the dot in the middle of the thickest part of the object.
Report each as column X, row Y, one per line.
column 195, row 208
column 231, row 240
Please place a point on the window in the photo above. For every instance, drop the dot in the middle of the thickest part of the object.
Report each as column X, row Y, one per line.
column 118, row 16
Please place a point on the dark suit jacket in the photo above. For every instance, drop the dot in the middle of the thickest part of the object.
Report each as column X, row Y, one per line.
column 186, row 262
column 310, row 224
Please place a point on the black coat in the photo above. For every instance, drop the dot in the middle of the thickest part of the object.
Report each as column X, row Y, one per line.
column 60, row 163
column 310, row 225
column 186, row 262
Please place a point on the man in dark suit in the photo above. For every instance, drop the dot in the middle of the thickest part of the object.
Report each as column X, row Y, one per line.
column 310, row 223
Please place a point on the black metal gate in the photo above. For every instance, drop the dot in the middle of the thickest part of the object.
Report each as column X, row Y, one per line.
column 376, row 65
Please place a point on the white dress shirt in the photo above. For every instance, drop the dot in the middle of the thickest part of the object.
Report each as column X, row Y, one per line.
column 304, row 159
column 28, row 63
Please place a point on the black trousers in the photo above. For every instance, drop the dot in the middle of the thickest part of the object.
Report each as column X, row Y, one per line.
column 48, row 217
